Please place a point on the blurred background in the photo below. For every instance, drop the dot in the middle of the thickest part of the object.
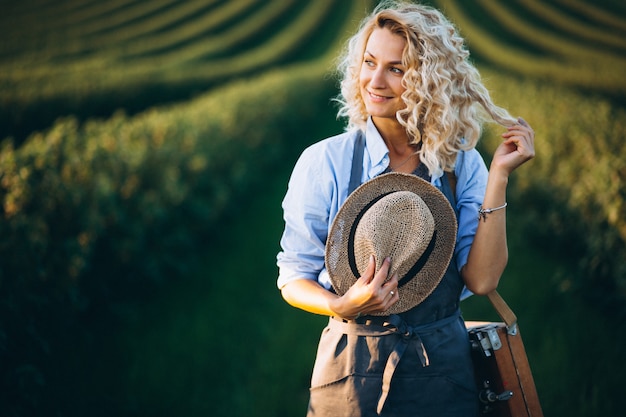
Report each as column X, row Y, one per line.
column 145, row 149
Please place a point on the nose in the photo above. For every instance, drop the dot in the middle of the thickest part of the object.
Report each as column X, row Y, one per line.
column 378, row 78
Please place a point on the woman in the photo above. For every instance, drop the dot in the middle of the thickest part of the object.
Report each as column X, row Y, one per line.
column 409, row 89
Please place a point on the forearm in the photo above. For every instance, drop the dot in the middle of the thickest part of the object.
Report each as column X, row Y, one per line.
column 371, row 293
column 488, row 255
column 310, row 296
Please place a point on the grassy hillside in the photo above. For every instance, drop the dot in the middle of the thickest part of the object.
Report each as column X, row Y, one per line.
column 89, row 59
column 574, row 43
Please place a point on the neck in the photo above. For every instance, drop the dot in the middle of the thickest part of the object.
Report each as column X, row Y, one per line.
column 402, row 154
column 394, row 135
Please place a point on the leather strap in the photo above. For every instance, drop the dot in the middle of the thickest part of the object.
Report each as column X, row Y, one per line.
column 504, row 311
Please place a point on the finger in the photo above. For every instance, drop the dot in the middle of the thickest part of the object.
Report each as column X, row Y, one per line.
column 392, row 286
column 526, row 126
column 519, row 128
column 393, row 297
column 522, row 122
column 369, row 271
column 525, row 150
column 392, row 282
column 382, row 274
column 520, row 138
column 521, row 132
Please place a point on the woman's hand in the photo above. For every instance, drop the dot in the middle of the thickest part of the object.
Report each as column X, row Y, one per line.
column 517, row 148
column 371, row 293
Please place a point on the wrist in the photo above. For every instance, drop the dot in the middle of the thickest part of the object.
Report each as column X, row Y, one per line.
column 499, row 172
column 484, row 211
column 498, row 175
column 339, row 309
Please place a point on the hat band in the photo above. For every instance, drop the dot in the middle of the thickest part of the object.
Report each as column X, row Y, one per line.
column 419, row 264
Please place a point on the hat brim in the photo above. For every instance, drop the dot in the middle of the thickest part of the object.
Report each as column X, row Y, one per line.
column 418, row 285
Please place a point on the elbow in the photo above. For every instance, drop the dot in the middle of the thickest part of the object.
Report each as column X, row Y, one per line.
column 482, row 277
column 287, row 295
column 296, row 292
column 481, row 283
column 483, row 288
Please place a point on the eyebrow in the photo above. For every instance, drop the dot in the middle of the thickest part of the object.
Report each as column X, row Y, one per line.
column 391, row 63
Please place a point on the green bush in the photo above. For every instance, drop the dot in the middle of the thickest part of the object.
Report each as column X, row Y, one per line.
column 94, row 216
column 515, row 42
column 573, row 195
column 72, row 66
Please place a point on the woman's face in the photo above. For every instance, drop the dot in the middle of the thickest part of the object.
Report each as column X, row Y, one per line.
column 381, row 74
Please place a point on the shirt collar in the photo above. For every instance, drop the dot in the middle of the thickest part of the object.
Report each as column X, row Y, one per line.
column 379, row 153
column 377, row 149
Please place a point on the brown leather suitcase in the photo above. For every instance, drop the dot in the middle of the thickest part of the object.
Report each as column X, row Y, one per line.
column 503, row 376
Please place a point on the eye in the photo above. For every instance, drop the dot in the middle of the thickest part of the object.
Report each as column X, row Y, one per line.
column 396, row 70
column 368, row 62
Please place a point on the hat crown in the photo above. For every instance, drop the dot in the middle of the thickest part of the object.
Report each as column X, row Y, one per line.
column 400, row 226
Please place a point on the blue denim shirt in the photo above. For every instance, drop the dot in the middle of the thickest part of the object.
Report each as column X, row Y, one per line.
column 319, row 185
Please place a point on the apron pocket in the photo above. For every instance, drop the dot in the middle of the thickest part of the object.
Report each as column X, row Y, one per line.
column 351, row 396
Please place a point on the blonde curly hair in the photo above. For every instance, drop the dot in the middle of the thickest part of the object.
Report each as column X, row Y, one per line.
column 444, row 93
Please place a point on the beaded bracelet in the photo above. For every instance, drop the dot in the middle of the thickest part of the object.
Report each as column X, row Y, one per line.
column 482, row 212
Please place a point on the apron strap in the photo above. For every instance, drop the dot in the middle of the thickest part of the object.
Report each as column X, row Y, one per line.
column 448, row 188
column 357, row 162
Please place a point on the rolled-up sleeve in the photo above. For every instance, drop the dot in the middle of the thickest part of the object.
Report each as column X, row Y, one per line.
column 317, row 188
column 471, row 184
column 306, row 215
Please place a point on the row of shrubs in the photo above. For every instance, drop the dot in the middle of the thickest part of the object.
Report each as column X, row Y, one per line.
column 518, row 44
column 98, row 215
column 129, row 177
column 573, row 195
column 36, row 88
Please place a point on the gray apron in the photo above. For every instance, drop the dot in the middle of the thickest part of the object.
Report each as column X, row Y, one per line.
column 416, row 363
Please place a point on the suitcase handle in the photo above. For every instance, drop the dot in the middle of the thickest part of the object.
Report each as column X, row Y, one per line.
column 504, row 311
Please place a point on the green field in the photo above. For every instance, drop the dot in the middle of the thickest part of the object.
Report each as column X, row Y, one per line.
column 148, row 146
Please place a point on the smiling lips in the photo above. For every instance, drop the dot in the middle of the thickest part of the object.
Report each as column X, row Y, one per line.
column 376, row 97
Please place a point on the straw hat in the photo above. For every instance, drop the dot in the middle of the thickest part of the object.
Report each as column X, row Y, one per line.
column 397, row 215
